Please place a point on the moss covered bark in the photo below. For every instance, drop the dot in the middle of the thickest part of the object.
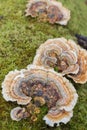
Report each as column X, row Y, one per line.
column 19, row 39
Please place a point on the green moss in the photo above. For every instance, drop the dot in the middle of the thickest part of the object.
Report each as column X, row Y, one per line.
column 19, row 39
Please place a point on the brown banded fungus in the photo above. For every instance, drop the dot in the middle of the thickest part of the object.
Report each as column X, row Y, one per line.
column 55, row 116
column 81, row 76
column 65, row 56
column 40, row 86
column 50, row 10
column 18, row 113
column 11, row 90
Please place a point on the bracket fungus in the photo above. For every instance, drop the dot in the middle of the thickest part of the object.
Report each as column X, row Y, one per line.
column 18, row 113
column 64, row 55
column 40, row 86
column 56, row 116
column 48, row 10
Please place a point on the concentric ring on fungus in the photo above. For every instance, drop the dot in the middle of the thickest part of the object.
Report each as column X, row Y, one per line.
column 37, row 84
column 48, row 10
column 18, row 113
column 65, row 56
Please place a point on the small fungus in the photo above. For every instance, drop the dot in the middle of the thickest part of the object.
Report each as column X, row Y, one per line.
column 18, row 113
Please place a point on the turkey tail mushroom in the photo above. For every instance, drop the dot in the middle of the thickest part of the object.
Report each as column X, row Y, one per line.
column 55, row 116
column 18, row 113
column 64, row 55
column 52, row 11
column 45, row 87
column 81, row 76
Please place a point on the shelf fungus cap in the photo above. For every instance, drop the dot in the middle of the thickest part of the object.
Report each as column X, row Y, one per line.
column 18, row 113
column 44, row 86
column 11, row 90
column 81, row 76
column 50, row 10
column 64, row 55
column 55, row 116
column 58, row 53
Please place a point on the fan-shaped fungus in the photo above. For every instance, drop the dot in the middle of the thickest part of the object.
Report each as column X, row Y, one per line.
column 64, row 55
column 50, row 10
column 45, row 87
column 18, row 113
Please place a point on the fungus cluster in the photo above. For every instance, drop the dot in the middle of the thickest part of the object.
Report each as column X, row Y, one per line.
column 48, row 10
column 40, row 86
column 64, row 55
